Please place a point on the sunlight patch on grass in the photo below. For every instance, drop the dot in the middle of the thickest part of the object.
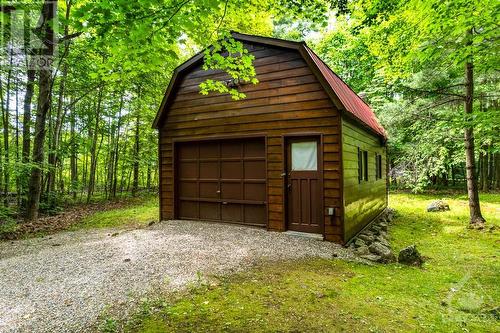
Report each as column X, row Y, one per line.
column 453, row 229
column 134, row 216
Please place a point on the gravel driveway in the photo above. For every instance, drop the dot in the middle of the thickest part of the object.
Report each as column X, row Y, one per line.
column 61, row 283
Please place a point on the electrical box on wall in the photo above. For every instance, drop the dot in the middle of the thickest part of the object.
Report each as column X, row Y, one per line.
column 331, row 211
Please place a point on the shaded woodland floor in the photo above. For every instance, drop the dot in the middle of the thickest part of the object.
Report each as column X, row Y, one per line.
column 125, row 212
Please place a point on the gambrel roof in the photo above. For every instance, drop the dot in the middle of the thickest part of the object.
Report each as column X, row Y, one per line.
column 344, row 98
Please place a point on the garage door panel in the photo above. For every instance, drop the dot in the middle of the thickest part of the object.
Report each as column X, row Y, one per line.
column 222, row 181
column 209, row 150
column 255, row 214
column 188, row 152
column 210, row 210
column 231, row 169
column 209, row 190
column 231, row 149
column 188, row 210
column 209, row 170
column 188, row 170
column 255, row 169
column 255, row 192
column 231, row 191
column 188, row 189
column 232, row 212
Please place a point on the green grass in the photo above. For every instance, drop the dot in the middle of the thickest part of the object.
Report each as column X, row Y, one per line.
column 137, row 215
column 457, row 290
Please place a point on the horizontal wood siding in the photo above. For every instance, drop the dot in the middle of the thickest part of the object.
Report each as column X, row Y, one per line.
column 287, row 100
column 363, row 200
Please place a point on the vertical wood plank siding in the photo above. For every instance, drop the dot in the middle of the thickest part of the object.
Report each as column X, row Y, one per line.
column 363, row 200
column 288, row 100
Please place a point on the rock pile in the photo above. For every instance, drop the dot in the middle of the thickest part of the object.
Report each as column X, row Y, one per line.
column 372, row 243
column 438, row 206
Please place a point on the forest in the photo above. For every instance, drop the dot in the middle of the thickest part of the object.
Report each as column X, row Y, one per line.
column 81, row 82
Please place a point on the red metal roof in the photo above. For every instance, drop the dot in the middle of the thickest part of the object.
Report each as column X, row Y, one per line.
column 351, row 101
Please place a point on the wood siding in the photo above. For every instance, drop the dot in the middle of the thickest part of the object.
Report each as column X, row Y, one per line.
column 288, row 100
column 363, row 200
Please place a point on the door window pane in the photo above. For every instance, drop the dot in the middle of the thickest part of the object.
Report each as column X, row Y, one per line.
column 304, row 156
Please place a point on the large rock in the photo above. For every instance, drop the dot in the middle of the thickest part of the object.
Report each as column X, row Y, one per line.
column 362, row 250
column 382, row 240
column 410, row 256
column 375, row 229
column 372, row 257
column 383, row 251
column 359, row 242
column 438, row 206
column 383, row 226
column 367, row 238
column 390, row 215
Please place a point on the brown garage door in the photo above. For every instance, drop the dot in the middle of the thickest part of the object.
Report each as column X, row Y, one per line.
column 222, row 181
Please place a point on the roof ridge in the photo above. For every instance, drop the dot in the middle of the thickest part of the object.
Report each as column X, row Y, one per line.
column 331, row 70
column 378, row 127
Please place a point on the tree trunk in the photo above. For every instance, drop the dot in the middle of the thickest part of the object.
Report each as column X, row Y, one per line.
column 497, row 171
column 53, row 157
column 28, row 96
column 18, row 180
column 26, row 133
column 491, row 169
column 481, row 170
column 73, row 161
column 474, row 206
column 45, row 85
column 109, row 159
column 148, row 178
column 93, row 149
column 54, row 147
column 117, row 148
column 135, row 185
column 6, row 123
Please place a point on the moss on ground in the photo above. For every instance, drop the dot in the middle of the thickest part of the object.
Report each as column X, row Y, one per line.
column 138, row 214
column 457, row 290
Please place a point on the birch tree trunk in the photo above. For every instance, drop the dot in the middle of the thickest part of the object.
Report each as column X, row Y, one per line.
column 93, row 148
column 135, row 185
column 472, row 186
column 6, row 122
column 116, row 149
column 73, row 160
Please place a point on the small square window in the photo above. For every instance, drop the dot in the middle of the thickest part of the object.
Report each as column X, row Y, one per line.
column 305, row 156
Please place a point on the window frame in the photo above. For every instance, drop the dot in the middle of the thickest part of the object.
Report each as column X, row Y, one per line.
column 363, row 174
column 365, row 165
column 360, row 165
column 378, row 166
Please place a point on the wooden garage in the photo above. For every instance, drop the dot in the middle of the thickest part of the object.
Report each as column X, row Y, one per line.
column 301, row 152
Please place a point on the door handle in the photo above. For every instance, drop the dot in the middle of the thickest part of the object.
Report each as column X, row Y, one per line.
column 218, row 191
column 289, row 186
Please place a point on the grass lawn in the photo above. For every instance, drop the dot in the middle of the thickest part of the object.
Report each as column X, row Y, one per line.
column 457, row 290
column 137, row 214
